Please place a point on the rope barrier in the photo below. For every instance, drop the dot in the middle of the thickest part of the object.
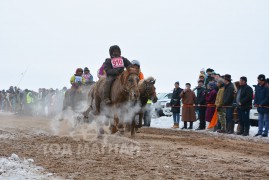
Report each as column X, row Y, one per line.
column 211, row 106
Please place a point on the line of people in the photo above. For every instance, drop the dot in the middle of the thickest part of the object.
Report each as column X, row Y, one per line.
column 45, row 102
column 222, row 103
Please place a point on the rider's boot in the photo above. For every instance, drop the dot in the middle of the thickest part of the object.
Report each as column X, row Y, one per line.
column 107, row 88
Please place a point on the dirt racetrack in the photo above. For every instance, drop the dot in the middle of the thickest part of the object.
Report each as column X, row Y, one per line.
column 152, row 154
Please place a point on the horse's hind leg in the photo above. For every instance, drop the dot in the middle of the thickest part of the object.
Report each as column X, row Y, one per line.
column 133, row 124
column 140, row 120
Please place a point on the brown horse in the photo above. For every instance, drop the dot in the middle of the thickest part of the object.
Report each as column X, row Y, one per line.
column 124, row 94
column 147, row 92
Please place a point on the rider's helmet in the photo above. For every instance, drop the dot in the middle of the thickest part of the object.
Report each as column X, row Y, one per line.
column 113, row 48
column 136, row 62
column 86, row 69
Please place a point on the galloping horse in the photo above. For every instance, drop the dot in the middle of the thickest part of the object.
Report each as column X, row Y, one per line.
column 124, row 93
column 147, row 92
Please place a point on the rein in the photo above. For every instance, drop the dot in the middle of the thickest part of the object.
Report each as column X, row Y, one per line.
column 127, row 90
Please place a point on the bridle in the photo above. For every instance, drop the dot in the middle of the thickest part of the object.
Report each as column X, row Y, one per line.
column 147, row 86
column 127, row 90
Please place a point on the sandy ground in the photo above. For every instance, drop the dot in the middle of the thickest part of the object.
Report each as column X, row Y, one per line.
column 152, row 154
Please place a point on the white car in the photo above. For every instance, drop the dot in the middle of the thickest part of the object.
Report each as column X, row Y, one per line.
column 253, row 116
column 162, row 107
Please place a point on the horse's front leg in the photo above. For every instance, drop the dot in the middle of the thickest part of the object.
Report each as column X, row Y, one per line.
column 97, row 106
column 113, row 124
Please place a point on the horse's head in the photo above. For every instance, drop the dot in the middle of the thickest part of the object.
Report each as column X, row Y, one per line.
column 149, row 89
column 129, row 80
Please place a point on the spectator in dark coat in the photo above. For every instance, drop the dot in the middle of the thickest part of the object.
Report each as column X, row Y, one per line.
column 260, row 97
column 244, row 103
column 228, row 99
column 201, row 103
column 265, row 104
column 210, row 101
column 175, row 104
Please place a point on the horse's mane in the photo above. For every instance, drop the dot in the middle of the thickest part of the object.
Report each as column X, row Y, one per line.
column 129, row 71
column 150, row 79
column 141, row 82
column 132, row 70
column 147, row 80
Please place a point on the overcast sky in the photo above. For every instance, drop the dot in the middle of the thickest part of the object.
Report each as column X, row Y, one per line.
column 173, row 39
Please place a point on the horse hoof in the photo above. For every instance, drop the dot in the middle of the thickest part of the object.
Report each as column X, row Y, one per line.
column 95, row 113
column 113, row 129
column 85, row 116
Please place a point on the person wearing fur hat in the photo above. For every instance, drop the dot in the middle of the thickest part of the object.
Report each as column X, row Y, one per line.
column 244, row 103
column 259, row 100
column 113, row 66
column 175, row 104
column 219, row 104
column 228, row 100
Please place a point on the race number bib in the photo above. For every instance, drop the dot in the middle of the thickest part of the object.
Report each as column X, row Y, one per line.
column 78, row 79
column 117, row 62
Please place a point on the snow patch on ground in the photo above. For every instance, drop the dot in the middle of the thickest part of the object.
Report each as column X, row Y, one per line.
column 167, row 122
column 15, row 168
